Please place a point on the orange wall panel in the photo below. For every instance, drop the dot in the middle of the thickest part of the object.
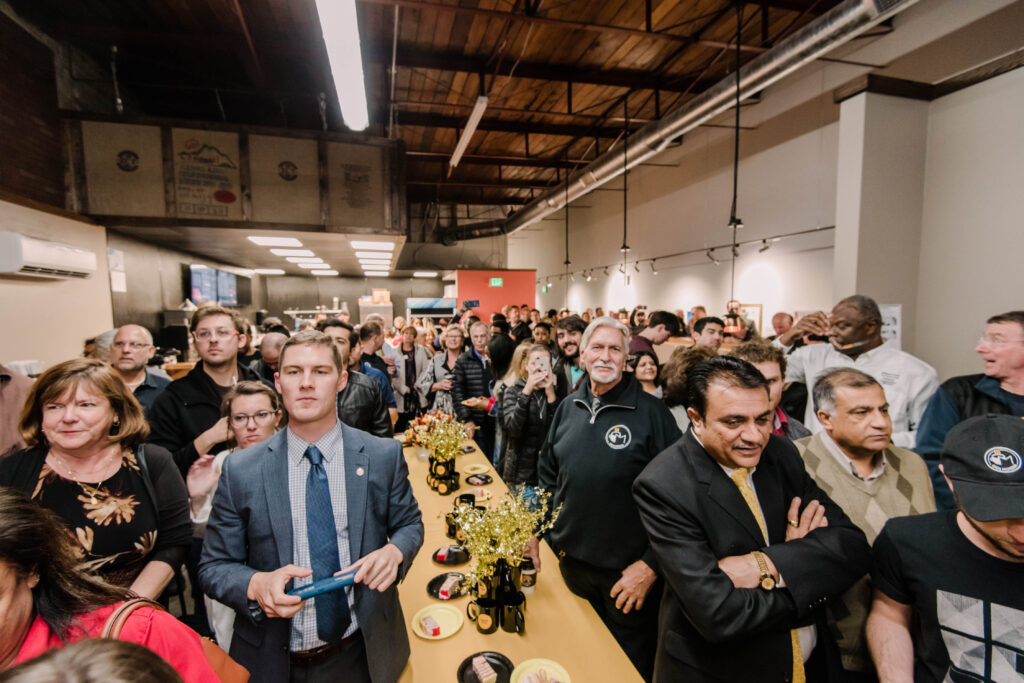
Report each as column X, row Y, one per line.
column 517, row 287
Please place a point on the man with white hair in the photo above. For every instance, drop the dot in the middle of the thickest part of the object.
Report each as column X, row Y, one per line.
column 130, row 353
column 601, row 437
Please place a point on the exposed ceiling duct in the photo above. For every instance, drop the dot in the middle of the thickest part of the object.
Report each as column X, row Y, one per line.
column 841, row 24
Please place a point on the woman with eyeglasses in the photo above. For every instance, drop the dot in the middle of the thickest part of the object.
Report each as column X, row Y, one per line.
column 253, row 412
column 122, row 502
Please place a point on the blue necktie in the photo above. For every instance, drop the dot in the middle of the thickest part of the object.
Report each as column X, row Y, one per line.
column 332, row 614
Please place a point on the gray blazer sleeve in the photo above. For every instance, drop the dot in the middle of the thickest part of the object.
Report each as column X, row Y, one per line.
column 405, row 522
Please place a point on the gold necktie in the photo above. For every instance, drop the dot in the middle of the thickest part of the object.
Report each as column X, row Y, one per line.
column 739, row 477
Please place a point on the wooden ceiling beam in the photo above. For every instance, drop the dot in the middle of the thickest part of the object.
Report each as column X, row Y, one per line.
column 425, row 120
column 424, row 195
column 566, row 24
column 495, row 160
column 251, row 60
column 503, row 185
column 787, row 5
column 416, row 58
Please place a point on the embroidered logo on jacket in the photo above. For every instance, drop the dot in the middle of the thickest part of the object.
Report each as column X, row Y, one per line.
column 618, row 437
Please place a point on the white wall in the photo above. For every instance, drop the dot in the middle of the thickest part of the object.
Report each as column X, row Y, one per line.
column 46, row 319
column 786, row 184
column 972, row 237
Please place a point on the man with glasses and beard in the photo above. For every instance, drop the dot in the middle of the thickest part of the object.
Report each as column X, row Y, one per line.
column 601, row 438
column 129, row 354
column 186, row 418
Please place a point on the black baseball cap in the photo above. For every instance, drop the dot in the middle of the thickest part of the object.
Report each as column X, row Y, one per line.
column 982, row 457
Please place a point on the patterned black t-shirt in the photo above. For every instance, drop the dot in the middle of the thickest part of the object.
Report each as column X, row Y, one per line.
column 968, row 605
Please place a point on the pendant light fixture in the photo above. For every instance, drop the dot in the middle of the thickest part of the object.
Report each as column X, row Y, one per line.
column 566, row 210
column 735, row 222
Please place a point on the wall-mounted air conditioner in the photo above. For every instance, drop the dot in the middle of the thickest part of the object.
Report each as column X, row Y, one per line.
column 21, row 255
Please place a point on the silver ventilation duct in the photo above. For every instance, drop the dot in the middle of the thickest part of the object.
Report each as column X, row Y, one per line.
column 842, row 23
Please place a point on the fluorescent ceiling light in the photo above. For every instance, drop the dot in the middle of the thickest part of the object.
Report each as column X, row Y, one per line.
column 320, row 265
column 275, row 241
column 324, row 272
column 376, row 273
column 341, row 38
column 292, row 252
column 467, row 132
column 269, row 271
column 375, row 261
column 373, row 254
column 379, row 269
column 304, row 259
column 197, row 266
column 425, row 273
column 386, row 246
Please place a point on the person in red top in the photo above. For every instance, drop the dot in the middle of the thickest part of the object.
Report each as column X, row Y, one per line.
column 46, row 602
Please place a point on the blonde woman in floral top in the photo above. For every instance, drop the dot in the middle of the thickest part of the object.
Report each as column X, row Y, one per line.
column 124, row 505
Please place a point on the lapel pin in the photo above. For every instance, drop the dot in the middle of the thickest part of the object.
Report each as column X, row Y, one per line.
column 359, row 471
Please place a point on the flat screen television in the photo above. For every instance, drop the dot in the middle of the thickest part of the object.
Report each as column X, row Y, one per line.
column 202, row 283
column 227, row 288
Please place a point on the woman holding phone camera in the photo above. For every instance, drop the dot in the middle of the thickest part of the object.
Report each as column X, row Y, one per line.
column 527, row 409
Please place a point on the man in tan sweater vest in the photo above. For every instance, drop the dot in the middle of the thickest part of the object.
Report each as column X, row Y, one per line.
column 854, row 462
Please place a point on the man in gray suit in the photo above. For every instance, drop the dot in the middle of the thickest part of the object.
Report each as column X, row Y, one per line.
column 315, row 498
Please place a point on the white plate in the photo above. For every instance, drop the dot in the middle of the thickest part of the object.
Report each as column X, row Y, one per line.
column 555, row 670
column 447, row 617
column 475, row 469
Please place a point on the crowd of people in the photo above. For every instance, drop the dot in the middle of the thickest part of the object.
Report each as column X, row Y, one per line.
column 814, row 499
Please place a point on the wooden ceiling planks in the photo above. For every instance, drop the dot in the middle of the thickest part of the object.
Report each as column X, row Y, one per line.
column 202, row 47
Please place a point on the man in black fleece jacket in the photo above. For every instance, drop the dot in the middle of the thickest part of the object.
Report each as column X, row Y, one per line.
column 602, row 436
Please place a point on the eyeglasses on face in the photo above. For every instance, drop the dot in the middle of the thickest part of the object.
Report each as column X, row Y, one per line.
column 240, row 420
column 220, row 333
column 134, row 346
column 997, row 341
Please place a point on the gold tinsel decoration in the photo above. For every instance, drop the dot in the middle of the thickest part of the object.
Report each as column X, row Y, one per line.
column 438, row 432
column 502, row 531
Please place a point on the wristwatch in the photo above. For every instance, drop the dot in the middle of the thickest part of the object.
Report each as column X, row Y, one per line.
column 766, row 580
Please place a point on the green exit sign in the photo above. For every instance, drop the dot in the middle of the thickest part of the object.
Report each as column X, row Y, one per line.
column 497, row 282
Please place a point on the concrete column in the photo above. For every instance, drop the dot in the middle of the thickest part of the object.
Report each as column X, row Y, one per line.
column 879, row 195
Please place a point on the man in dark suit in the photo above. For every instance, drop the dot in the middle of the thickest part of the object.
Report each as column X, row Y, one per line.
column 749, row 547
column 318, row 494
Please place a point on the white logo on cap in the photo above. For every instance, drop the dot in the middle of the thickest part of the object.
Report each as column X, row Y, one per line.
column 1003, row 460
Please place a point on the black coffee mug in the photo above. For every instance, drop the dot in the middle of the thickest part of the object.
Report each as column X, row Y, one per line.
column 512, row 618
column 487, row 588
column 486, row 614
column 467, row 499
